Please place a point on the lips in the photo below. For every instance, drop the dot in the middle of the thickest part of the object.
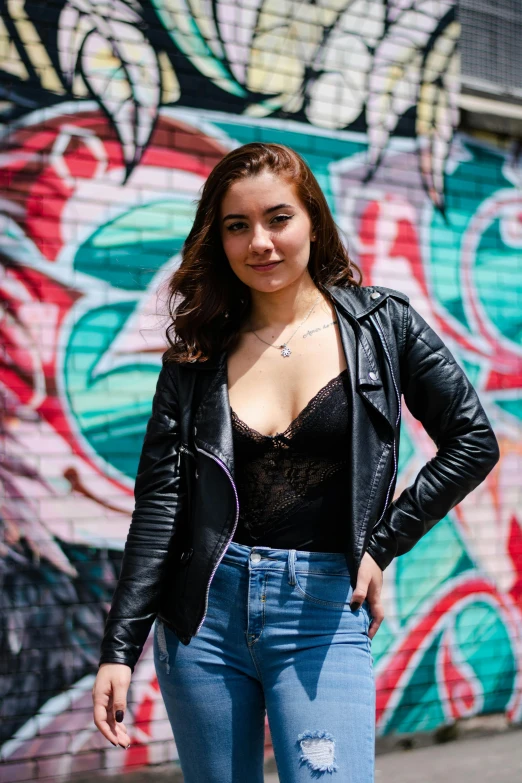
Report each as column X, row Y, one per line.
column 262, row 267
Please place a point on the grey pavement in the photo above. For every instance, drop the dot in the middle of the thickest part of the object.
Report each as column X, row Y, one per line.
column 480, row 758
column 493, row 759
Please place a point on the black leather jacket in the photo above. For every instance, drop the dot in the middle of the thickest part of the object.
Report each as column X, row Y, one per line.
column 186, row 506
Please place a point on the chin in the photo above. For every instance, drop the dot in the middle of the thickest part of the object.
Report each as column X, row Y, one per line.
column 269, row 286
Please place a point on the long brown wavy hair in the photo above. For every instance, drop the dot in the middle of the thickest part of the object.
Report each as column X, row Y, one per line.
column 207, row 302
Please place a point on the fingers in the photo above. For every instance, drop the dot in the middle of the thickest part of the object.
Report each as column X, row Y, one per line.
column 123, row 738
column 109, row 696
column 118, row 728
column 358, row 596
column 119, row 698
column 361, row 588
column 377, row 613
column 101, row 723
column 368, row 587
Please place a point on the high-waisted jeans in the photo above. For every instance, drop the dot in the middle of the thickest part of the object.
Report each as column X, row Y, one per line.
column 279, row 636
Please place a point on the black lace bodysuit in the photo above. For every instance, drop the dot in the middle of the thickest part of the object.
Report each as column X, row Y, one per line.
column 292, row 485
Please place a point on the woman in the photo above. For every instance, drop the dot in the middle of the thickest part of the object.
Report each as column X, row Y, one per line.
column 263, row 520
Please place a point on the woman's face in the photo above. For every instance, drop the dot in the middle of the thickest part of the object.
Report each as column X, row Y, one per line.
column 266, row 231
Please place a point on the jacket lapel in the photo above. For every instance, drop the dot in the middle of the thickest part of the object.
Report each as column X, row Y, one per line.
column 213, row 420
column 364, row 367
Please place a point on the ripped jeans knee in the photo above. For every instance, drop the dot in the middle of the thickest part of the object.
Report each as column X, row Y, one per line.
column 317, row 751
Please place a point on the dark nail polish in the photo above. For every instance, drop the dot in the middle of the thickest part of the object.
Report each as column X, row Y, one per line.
column 119, row 716
column 113, row 743
column 353, row 607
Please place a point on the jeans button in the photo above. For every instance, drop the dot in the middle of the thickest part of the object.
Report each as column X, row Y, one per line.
column 255, row 557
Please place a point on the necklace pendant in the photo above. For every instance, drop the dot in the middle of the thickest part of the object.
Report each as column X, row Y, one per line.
column 286, row 350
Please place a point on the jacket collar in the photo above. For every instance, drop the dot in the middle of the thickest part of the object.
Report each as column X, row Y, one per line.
column 358, row 301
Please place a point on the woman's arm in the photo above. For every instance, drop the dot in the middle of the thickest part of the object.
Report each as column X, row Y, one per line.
column 158, row 501
column 438, row 393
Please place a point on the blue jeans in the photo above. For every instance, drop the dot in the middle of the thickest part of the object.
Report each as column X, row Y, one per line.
column 280, row 637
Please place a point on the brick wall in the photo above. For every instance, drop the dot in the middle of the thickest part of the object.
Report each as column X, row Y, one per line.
column 112, row 119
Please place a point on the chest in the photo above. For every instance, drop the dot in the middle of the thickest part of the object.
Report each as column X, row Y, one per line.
column 268, row 391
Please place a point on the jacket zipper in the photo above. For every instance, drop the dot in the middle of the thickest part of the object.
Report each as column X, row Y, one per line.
column 222, row 464
column 183, row 448
column 385, row 346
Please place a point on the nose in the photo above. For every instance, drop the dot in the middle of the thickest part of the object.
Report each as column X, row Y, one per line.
column 261, row 240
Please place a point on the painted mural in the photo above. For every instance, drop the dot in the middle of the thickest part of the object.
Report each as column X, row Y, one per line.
column 112, row 117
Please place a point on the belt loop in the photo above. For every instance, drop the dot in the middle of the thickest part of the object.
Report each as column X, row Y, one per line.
column 291, row 566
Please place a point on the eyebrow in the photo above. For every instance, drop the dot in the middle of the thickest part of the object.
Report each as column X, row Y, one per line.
column 266, row 212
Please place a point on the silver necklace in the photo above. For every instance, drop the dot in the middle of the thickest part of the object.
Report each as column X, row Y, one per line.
column 285, row 350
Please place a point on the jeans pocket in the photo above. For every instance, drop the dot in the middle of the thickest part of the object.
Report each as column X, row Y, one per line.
column 325, row 589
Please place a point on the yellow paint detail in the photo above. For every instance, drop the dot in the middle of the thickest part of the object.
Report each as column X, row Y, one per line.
column 275, row 65
column 79, row 87
column 9, row 58
column 170, row 90
column 34, row 47
column 433, row 110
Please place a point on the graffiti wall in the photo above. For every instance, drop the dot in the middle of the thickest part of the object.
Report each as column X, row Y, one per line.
column 112, row 116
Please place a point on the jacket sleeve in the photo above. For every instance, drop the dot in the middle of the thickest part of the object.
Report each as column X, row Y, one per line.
column 438, row 393
column 158, row 500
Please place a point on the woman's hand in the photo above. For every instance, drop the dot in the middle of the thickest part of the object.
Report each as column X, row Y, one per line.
column 109, row 695
column 369, row 586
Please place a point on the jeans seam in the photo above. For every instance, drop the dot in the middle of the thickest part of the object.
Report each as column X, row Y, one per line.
column 264, row 605
column 253, row 656
column 258, row 637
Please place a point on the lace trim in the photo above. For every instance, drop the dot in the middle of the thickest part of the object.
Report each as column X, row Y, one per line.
column 280, row 475
column 308, row 411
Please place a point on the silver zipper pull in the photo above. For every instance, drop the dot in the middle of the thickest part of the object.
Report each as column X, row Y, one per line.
column 181, row 449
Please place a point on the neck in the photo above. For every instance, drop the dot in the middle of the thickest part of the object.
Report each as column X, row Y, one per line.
column 286, row 307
